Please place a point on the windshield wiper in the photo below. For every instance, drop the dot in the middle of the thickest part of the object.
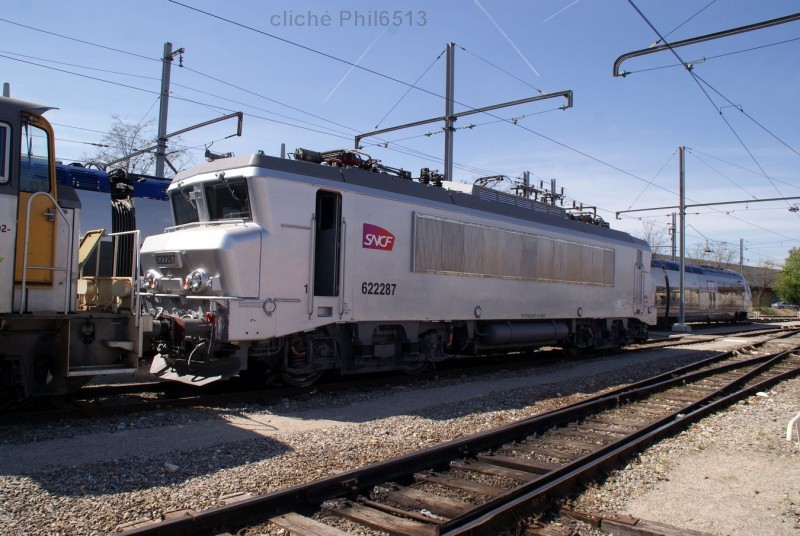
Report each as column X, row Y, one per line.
column 221, row 176
column 188, row 198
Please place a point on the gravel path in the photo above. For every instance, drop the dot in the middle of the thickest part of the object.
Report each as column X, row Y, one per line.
column 733, row 473
column 87, row 477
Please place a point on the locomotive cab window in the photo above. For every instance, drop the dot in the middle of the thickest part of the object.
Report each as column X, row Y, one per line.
column 34, row 165
column 228, row 199
column 184, row 206
column 5, row 152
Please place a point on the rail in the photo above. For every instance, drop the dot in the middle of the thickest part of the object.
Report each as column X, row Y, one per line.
column 25, row 265
column 580, row 441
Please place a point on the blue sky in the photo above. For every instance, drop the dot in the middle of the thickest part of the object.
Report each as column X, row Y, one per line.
column 615, row 149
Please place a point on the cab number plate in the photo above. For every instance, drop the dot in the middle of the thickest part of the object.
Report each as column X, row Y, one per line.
column 168, row 260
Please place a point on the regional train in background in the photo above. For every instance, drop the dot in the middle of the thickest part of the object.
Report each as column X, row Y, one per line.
column 289, row 268
column 710, row 294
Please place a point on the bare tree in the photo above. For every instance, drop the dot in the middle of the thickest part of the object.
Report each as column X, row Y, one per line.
column 125, row 138
column 698, row 251
column 653, row 233
column 722, row 253
column 761, row 279
column 714, row 252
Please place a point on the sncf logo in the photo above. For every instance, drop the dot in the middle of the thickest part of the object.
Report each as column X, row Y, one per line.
column 377, row 238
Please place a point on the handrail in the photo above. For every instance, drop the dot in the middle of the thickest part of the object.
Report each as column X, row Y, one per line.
column 342, row 264
column 190, row 225
column 67, row 269
column 135, row 269
column 312, row 265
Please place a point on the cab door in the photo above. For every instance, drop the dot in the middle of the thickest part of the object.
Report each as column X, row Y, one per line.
column 36, row 174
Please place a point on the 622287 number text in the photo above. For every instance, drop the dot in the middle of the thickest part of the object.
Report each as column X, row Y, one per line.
column 378, row 289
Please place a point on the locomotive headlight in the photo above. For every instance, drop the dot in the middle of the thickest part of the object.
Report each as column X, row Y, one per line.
column 195, row 281
column 151, row 279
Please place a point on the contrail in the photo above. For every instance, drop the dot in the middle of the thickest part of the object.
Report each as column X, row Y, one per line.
column 504, row 34
column 560, row 11
column 350, row 70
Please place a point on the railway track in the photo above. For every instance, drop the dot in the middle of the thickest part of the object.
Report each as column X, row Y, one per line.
column 484, row 483
column 108, row 400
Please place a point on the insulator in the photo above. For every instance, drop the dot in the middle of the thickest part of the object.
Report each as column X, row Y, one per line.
column 425, row 175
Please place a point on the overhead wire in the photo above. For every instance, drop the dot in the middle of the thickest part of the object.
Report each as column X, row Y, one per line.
column 304, row 47
column 765, row 129
column 754, row 172
column 79, row 66
column 737, row 185
column 259, row 95
column 98, row 45
column 144, row 117
column 410, row 152
column 515, row 77
column 80, row 40
column 207, row 93
column 409, row 88
column 652, row 180
column 260, row 32
column 324, row 54
column 742, row 142
column 697, row 81
column 175, row 96
column 466, row 127
column 120, row 84
column 705, row 59
column 336, row 59
column 679, row 26
column 158, row 79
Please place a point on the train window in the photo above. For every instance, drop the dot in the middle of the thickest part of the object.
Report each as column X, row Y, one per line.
column 34, row 165
column 184, row 207
column 228, row 200
column 5, row 152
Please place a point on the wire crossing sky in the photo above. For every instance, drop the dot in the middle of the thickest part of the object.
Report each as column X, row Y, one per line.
column 314, row 76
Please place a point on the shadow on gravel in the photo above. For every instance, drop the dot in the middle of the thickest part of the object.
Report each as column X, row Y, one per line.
column 139, row 474
column 137, row 459
column 140, row 458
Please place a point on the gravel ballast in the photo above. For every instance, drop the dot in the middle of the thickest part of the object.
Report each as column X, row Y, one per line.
column 86, row 477
column 733, row 473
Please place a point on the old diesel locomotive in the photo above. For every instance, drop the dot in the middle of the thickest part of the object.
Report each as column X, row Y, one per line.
column 59, row 326
column 710, row 294
column 331, row 261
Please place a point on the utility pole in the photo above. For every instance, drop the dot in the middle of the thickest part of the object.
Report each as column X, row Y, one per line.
column 450, row 116
column 681, row 325
column 449, row 120
column 674, row 236
column 741, row 256
column 161, row 151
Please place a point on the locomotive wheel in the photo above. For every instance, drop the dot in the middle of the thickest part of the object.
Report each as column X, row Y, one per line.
column 301, row 380
column 573, row 351
column 420, row 367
